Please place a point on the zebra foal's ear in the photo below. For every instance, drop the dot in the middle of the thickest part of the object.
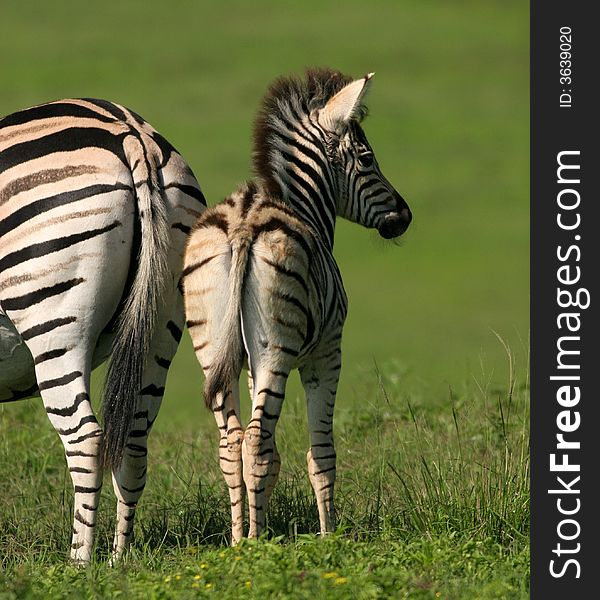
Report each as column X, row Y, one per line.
column 346, row 104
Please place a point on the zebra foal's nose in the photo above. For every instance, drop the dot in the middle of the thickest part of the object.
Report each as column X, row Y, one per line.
column 395, row 223
column 405, row 217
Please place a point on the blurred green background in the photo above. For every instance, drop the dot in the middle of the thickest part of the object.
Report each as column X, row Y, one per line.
column 449, row 124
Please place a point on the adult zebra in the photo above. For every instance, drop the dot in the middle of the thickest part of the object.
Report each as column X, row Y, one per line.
column 260, row 280
column 95, row 207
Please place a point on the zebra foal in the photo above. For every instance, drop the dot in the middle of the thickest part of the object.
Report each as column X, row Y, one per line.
column 95, row 207
column 261, row 283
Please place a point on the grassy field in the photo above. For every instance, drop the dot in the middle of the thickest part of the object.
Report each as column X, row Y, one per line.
column 432, row 501
column 432, row 414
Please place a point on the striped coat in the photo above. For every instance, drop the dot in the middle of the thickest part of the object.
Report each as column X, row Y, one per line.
column 95, row 207
column 261, row 283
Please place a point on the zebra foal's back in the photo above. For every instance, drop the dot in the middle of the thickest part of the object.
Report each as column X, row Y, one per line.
column 94, row 210
column 252, row 263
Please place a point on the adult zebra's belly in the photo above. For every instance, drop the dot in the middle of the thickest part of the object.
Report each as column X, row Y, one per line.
column 17, row 375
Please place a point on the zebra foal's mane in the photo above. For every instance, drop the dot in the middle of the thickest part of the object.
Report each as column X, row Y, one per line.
column 289, row 100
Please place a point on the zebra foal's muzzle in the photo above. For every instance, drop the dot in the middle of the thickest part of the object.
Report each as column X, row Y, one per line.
column 395, row 223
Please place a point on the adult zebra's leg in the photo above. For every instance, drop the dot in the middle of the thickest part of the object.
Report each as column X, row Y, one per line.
column 61, row 334
column 129, row 479
column 259, row 452
column 320, row 386
column 227, row 415
column 64, row 387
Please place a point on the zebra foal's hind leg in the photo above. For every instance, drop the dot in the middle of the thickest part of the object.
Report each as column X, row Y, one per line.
column 276, row 462
column 206, row 282
column 226, row 409
column 260, row 458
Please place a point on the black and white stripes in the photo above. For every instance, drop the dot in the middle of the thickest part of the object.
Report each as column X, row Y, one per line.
column 94, row 210
column 261, row 283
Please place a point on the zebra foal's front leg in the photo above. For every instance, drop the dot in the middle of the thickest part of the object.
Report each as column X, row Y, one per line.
column 320, row 386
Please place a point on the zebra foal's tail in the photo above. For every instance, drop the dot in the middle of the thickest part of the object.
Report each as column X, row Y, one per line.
column 136, row 324
column 229, row 348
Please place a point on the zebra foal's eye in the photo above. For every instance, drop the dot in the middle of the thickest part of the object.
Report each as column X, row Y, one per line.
column 365, row 159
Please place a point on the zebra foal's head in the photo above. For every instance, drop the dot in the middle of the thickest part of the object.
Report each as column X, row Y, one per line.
column 365, row 195
column 309, row 144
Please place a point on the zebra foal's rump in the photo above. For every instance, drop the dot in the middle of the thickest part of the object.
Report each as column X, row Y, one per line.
column 261, row 283
column 95, row 207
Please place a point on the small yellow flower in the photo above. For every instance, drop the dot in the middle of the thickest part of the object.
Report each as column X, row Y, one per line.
column 178, row 576
column 238, row 558
column 197, row 577
column 221, row 554
column 203, row 566
column 248, row 584
column 167, row 579
column 438, row 594
column 195, row 585
column 330, row 575
column 209, row 586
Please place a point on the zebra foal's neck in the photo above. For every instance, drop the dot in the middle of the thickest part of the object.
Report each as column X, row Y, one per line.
column 291, row 156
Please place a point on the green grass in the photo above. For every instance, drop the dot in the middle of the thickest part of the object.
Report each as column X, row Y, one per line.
column 433, row 497
column 307, row 568
column 433, row 476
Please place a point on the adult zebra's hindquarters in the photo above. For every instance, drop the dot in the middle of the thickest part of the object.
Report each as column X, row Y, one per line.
column 94, row 210
column 260, row 279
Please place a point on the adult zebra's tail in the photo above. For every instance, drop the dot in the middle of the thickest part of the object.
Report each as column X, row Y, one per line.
column 136, row 323
column 229, row 348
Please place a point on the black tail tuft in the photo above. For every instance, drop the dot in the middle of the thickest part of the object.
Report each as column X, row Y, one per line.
column 121, row 390
column 136, row 324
